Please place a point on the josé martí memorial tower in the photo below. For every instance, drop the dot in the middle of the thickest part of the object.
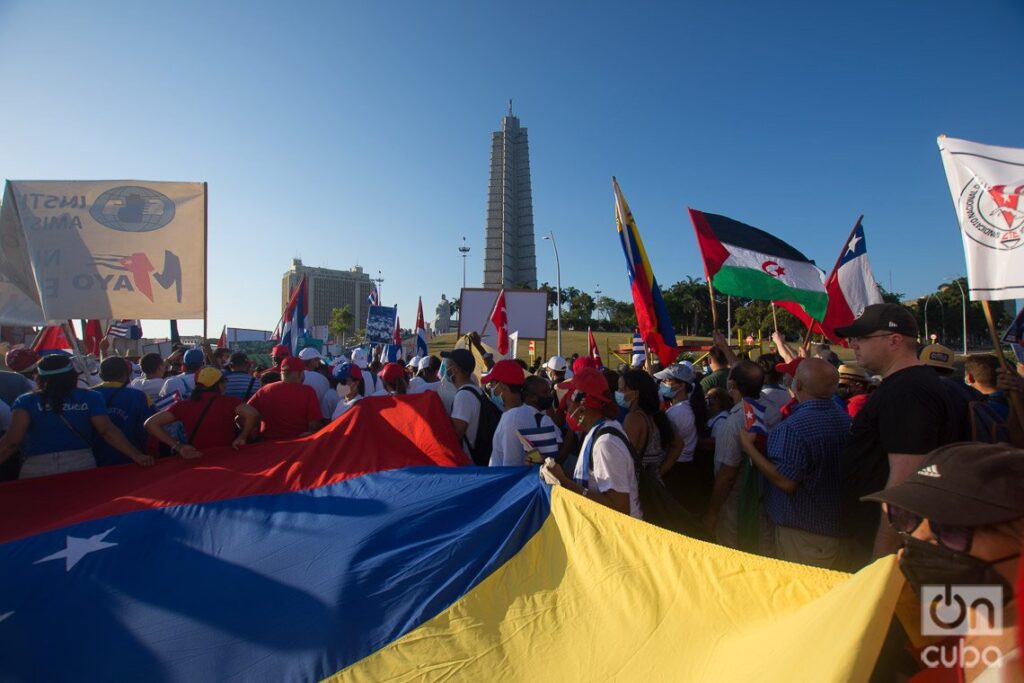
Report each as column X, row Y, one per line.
column 509, row 253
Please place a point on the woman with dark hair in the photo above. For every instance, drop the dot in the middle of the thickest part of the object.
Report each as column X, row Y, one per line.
column 648, row 428
column 56, row 425
column 207, row 416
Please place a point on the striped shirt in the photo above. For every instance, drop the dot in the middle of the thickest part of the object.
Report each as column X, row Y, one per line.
column 532, row 425
column 806, row 447
column 241, row 385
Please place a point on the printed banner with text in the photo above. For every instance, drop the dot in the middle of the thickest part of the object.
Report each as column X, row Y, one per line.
column 106, row 249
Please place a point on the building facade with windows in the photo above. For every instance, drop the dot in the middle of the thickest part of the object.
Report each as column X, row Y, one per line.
column 329, row 289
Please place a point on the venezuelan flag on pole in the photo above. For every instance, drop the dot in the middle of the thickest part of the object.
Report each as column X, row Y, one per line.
column 336, row 557
column 651, row 313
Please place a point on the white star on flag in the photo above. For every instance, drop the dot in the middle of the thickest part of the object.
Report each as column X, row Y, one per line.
column 852, row 246
column 77, row 548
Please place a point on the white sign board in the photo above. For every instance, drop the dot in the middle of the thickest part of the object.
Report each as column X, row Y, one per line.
column 112, row 249
column 527, row 313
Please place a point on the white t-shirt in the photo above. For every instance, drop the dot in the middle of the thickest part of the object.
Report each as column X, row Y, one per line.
column 681, row 416
column 183, row 384
column 150, row 387
column 613, row 468
column 417, row 385
column 507, row 449
column 774, row 395
column 466, row 407
column 321, row 385
column 344, row 406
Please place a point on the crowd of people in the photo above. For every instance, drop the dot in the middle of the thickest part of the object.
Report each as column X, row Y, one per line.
column 785, row 455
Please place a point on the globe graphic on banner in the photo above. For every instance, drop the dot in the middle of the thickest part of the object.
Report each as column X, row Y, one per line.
column 131, row 208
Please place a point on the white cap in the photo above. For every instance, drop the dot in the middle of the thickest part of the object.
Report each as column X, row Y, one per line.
column 556, row 363
column 309, row 353
column 359, row 357
column 414, row 362
column 424, row 363
column 638, row 360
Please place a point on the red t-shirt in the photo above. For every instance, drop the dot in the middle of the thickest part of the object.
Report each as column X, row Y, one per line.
column 286, row 409
column 217, row 428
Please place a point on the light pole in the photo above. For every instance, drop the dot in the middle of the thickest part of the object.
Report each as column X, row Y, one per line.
column 380, row 281
column 464, row 250
column 597, row 295
column 963, row 301
column 941, row 308
column 558, row 291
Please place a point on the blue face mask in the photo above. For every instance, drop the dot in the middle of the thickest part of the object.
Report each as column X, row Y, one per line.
column 666, row 391
column 620, row 398
column 498, row 400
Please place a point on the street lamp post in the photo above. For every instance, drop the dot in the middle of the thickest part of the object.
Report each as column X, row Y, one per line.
column 380, row 281
column 963, row 301
column 941, row 308
column 464, row 250
column 597, row 295
column 558, row 291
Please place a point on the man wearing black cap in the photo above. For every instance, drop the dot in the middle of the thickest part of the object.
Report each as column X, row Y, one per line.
column 910, row 413
column 960, row 517
column 241, row 383
column 466, row 406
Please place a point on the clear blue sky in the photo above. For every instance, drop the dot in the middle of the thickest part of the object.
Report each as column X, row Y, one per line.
column 360, row 132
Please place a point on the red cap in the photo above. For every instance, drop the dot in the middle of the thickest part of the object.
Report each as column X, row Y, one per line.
column 593, row 384
column 506, row 372
column 585, row 362
column 293, row 364
column 280, row 351
column 391, row 372
column 790, row 367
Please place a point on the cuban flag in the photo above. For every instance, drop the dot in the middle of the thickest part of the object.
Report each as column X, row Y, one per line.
column 125, row 329
column 393, row 351
column 851, row 288
column 639, row 355
column 294, row 318
column 753, row 417
column 374, row 296
column 421, row 333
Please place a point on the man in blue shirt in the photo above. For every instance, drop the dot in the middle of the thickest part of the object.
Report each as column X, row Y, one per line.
column 803, row 469
column 128, row 409
column 242, row 384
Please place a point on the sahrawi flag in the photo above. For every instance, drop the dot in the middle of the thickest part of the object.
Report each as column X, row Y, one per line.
column 851, row 288
column 421, row 332
column 987, row 184
column 741, row 260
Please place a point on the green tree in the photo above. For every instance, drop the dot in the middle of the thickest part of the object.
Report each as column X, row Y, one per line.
column 342, row 322
column 581, row 311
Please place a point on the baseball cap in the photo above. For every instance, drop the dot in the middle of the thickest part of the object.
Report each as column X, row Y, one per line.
column 585, row 362
column 461, row 357
column 280, row 351
column 790, row 367
column 343, row 372
column 556, row 363
column 637, row 360
column 360, row 358
column 506, row 372
column 937, row 356
column 424, row 363
column 293, row 364
column 881, row 318
column 678, row 371
column 21, row 360
column 391, row 372
column 193, row 358
column 209, row 376
column 238, row 358
column 414, row 362
column 309, row 353
column 592, row 384
column 966, row 484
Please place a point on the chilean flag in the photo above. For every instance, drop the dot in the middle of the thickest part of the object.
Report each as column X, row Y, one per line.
column 851, row 288
column 295, row 317
column 421, row 332
column 499, row 318
column 594, row 353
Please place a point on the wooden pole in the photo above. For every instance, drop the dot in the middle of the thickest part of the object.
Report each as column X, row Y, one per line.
column 206, row 259
column 775, row 318
column 1016, row 399
column 714, row 311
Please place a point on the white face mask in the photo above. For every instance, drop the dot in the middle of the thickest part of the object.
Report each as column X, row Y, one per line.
column 343, row 390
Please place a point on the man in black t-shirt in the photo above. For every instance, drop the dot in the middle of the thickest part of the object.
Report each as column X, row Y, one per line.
column 910, row 413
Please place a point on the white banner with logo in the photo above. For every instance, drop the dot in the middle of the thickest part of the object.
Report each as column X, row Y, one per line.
column 987, row 183
column 106, row 249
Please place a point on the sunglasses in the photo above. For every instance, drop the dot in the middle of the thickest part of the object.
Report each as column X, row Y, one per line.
column 955, row 538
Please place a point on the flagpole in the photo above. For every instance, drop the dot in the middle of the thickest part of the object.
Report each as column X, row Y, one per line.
column 206, row 259
column 714, row 311
column 810, row 328
column 1014, row 396
column 775, row 318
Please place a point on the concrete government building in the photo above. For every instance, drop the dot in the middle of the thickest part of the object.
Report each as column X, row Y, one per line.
column 509, row 251
column 329, row 289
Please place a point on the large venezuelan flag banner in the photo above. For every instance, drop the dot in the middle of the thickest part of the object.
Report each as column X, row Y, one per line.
column 361, row 554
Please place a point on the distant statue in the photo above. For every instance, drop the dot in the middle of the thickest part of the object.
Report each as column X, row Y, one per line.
column 443, row 316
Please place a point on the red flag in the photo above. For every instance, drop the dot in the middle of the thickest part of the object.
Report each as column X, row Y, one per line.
column 499, row 318
column 92, row 335
column 52, row 339
column 594, row 353
column 398, row 330
column 222, row 343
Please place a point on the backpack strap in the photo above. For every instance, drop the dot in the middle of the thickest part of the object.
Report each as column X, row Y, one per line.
column 202, row 416
column 480, row 397
column 248, row 390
